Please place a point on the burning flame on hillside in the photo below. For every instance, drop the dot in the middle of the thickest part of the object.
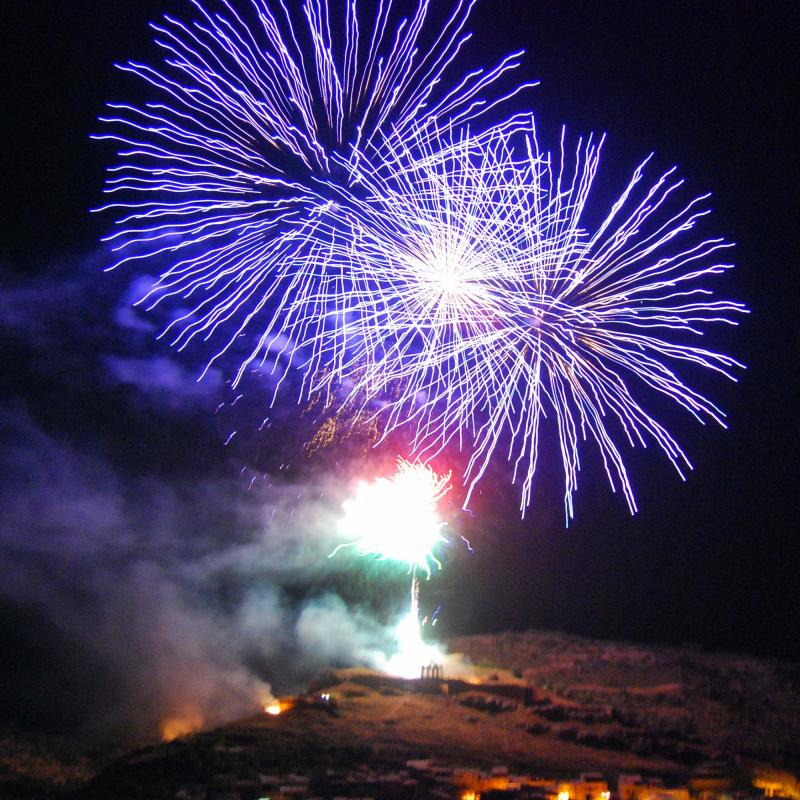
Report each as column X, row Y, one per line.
column 277, row 707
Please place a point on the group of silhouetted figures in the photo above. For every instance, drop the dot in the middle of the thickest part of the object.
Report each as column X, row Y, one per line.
column 431, row 672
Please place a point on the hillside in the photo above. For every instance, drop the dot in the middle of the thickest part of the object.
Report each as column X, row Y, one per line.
column 542, row 703
column 674, row 702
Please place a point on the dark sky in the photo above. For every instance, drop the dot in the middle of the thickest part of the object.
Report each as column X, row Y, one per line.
column 121, row 510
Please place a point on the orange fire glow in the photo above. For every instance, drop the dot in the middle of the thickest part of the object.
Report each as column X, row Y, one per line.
column 277, row 707
column 175, row 727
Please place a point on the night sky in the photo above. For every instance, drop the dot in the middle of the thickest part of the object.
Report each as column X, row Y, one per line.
column 138, row 571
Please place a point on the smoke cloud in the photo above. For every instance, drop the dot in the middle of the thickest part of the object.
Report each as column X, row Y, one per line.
column 149, row 582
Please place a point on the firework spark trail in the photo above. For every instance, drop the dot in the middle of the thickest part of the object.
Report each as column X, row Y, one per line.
column 493, row 308
column 228, row 174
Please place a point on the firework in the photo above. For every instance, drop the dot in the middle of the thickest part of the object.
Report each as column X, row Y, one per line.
column 397, row 518
column 309, row 182
column 494, row 308
column 235, row 175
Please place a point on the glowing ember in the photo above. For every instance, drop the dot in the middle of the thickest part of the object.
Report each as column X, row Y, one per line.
column 396, row 518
